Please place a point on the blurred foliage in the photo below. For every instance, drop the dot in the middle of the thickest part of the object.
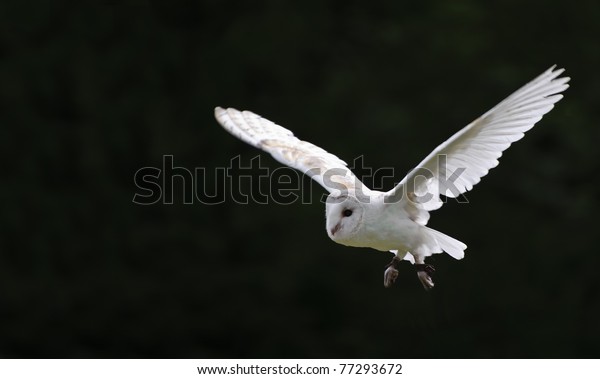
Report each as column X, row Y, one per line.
column 92, row 92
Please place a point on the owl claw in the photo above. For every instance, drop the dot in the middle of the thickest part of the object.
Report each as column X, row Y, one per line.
column 424, row 272
column 391, row 273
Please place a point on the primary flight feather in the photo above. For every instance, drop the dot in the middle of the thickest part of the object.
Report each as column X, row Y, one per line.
column 396, row 220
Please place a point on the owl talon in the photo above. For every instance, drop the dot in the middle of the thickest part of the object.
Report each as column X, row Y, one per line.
column 424, row 272
column 391, row 273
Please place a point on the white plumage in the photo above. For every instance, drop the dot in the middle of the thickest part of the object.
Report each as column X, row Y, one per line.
column 287, row 149
column 396, row 220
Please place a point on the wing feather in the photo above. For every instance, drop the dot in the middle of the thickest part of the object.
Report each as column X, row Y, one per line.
column 477, row 147
column 326, row 169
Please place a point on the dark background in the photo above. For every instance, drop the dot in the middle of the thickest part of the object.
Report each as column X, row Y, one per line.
column 89, row 94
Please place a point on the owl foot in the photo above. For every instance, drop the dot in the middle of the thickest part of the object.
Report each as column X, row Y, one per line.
column 391, row 273
column 424, row 272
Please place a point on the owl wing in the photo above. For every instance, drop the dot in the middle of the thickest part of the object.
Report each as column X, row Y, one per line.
column 326, row 169
column 456, row 165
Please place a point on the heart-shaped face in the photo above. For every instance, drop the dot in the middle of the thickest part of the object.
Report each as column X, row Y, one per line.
column 344, row 217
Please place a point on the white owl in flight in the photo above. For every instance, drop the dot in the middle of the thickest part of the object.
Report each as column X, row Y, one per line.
column 396, row 220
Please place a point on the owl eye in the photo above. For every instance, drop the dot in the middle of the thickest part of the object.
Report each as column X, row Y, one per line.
column 347, row 213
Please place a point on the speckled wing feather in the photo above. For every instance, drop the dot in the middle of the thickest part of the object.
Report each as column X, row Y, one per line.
column 325, row 168
column 477, row 147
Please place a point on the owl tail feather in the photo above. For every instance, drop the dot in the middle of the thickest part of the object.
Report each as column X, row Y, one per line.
column 453, row 247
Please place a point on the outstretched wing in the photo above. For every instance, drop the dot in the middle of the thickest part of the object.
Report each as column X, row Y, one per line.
column 456, row 165
column 326, row 169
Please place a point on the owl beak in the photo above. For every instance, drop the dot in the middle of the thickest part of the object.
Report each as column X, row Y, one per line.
column 335, row 229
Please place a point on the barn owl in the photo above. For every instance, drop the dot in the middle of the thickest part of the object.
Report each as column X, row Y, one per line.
column 396, row 220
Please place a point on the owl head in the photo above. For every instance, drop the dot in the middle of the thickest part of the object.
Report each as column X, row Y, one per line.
column 344, row 218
